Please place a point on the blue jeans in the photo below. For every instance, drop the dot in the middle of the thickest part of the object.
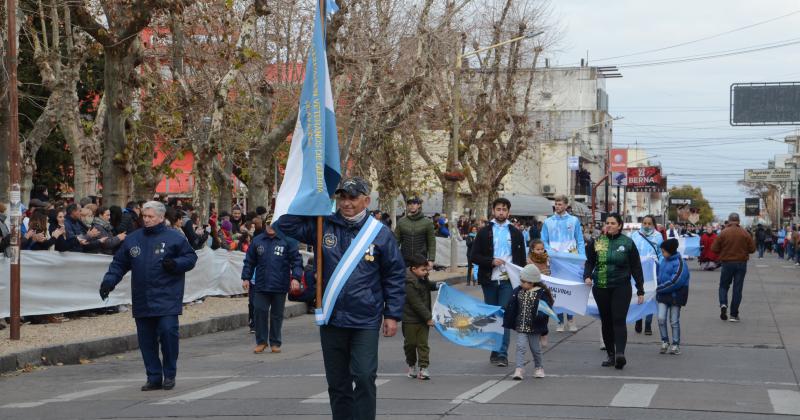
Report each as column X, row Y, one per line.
column 761, row 248
column 268, row 317
column 561, row 318
column 790, row 251
column 674, row 314
column 498, row 294
column 152, row 331
column 351, row 367
column 732, row 272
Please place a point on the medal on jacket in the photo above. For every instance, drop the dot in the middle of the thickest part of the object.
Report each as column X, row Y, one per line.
column 161, row 250
column 370, row 253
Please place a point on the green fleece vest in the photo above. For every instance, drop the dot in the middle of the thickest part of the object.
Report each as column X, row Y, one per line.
column 613, row 269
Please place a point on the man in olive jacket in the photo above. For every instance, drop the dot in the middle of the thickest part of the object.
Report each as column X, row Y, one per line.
column 415, row 233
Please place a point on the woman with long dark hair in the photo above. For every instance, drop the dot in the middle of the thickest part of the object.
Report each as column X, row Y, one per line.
column 611, row 260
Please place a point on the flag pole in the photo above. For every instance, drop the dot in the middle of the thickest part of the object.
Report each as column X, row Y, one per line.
column 318, row 247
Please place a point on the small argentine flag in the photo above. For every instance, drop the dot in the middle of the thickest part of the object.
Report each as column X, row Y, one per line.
column 547, row 310
column 312, row 169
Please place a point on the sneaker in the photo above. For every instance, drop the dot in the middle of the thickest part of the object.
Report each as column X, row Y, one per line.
column 733, row 319
column 723, row 313
column 518, row 373
column 572, row 326
column 424, row 374
column 560, row 328
column 608, row 362
column 675, row 349
column 664, row 347
column 538, row 372
column 412, row 372
column 493, row 359
column 502, row 361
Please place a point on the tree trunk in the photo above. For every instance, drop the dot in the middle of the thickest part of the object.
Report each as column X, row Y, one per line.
column 224, row 180
column 201, row 193
column 262, row 179
column 480, row 201
column 119, row 68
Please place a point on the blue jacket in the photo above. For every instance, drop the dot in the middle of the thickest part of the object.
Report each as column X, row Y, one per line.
column 154, row 291
column 274, row 260
column 673, row 281
column 376, row 288
column 563, row 234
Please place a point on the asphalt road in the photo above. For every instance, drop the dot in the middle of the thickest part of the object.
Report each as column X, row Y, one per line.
column 727, row 371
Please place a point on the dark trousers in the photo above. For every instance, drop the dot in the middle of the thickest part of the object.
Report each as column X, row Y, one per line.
column 351, row 357
column 761, row 248
column 613, row 303
column 268, row 317
column 732, row 272
column 251, row 321
column 151, row 332
column 416, row 344
column 498, row 294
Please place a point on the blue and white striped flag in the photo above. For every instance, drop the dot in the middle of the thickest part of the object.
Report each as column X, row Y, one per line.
column 312, row 169
column 547, row 310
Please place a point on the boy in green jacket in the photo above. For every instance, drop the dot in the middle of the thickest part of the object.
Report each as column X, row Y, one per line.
column 417, row 317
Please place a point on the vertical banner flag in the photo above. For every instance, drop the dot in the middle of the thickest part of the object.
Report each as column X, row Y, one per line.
column 466, row 321
column 312, row 169
column 689, row 246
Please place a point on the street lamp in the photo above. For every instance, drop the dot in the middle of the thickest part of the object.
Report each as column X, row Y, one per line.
column 453, row 164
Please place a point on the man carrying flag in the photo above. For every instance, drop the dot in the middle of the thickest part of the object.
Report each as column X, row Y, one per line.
column 354, row 306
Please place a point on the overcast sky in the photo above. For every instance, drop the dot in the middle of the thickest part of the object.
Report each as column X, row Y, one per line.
column 679, row 112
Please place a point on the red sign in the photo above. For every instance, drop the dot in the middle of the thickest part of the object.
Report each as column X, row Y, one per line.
column 618, row 160
column 645, row 179
column 789, row 207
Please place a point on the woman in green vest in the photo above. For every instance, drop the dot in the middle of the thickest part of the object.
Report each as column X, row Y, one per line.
column 611, row 260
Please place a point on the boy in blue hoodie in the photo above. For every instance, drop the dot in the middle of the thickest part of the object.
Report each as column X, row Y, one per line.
column 671, row 294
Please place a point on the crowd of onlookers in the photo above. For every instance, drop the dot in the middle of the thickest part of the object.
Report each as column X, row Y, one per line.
column 783, row 241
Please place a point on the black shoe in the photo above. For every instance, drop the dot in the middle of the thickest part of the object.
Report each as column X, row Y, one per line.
column 648, row 330
column 638, row 327
column 723, row 313
column 502, row 361
column 733, row 319
column 620, row 361
column 150, row 386
column 609, row 361
column 493, row 359
column 169, row 383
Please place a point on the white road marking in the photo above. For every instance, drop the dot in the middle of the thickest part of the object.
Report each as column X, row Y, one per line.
column 181, row 378
column 785, row 401
column 207, row 392
column 472, row 392
column 494, row 391
column 665, row 379
column 65, row 397
column 634, row 395
column 322, row 397
column 762, row 266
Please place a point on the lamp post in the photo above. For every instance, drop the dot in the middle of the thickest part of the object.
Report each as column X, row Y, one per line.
column 573, row 139
column 453, row 164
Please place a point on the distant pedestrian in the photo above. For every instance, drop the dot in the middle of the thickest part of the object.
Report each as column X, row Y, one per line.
column 417, row 318
column 473, row 232
column 671, row 294
column 761, row 240
column 709, row 260
column 734, row 246
column 158, row 258
column 415, row 233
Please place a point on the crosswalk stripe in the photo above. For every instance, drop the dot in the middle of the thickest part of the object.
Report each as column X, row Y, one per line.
column 472, row 392
column 634, row 395
column 493, row 391
column 785, row 401
column 322, row 397
column 65, row 397
column 207, row 392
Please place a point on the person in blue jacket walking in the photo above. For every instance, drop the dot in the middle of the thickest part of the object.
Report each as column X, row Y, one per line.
column 276, row 263
column 372, row 297
column 158, row 258
column 671, row 294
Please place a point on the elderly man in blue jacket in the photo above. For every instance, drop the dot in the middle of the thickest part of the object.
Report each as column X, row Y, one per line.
column 275, row 261
column 158, row 258
column 372, row 296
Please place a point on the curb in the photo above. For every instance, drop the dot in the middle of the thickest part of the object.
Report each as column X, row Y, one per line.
column 70, row 354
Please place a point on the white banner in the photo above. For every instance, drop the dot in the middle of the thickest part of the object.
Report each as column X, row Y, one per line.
column 54, row 282
column 443, row 252
column 569, row 295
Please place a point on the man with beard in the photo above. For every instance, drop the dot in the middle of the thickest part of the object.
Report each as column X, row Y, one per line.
column 415, row 233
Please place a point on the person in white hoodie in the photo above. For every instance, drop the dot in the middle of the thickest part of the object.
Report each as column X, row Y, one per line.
column 562, row 232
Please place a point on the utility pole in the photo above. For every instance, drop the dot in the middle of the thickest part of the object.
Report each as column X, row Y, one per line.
column 13, row 153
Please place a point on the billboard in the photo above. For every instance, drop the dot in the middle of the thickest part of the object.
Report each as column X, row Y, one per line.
column 770, row 175
column 789, row 207
column 618, row 160
column 775, row 103
column 752, row 206
column 675, row 202
column 619, row 178
column 645, row 179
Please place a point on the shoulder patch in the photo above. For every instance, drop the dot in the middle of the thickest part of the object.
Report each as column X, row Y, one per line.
column 135, row 251
column 329, row 240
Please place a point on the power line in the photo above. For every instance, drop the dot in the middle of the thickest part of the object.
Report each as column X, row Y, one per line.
column 712, row 55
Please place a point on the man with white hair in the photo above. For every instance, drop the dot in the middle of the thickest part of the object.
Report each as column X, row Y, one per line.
column 158, row 259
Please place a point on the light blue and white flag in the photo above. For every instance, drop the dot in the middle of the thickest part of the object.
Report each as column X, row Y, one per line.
column 466, row 321
column 547, row 310
column 689, row 246
column 312, row 169
column 566, row 266
column 636, row 311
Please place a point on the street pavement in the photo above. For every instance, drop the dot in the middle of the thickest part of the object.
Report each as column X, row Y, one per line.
column 727, row 371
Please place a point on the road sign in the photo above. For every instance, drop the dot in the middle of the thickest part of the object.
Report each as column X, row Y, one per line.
column 619, row 178
column 752, row 206
column 680, row 202
column 770, row 175
column 574, row 163
column 775, row 103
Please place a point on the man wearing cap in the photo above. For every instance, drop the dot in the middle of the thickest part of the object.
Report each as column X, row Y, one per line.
column 415, row 233
column 369, row 299
column 734, row 246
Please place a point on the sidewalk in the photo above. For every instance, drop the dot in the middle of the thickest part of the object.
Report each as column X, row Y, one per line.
column 78, row 340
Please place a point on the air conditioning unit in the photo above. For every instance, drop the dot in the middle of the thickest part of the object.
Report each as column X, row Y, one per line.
column 548, row 190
